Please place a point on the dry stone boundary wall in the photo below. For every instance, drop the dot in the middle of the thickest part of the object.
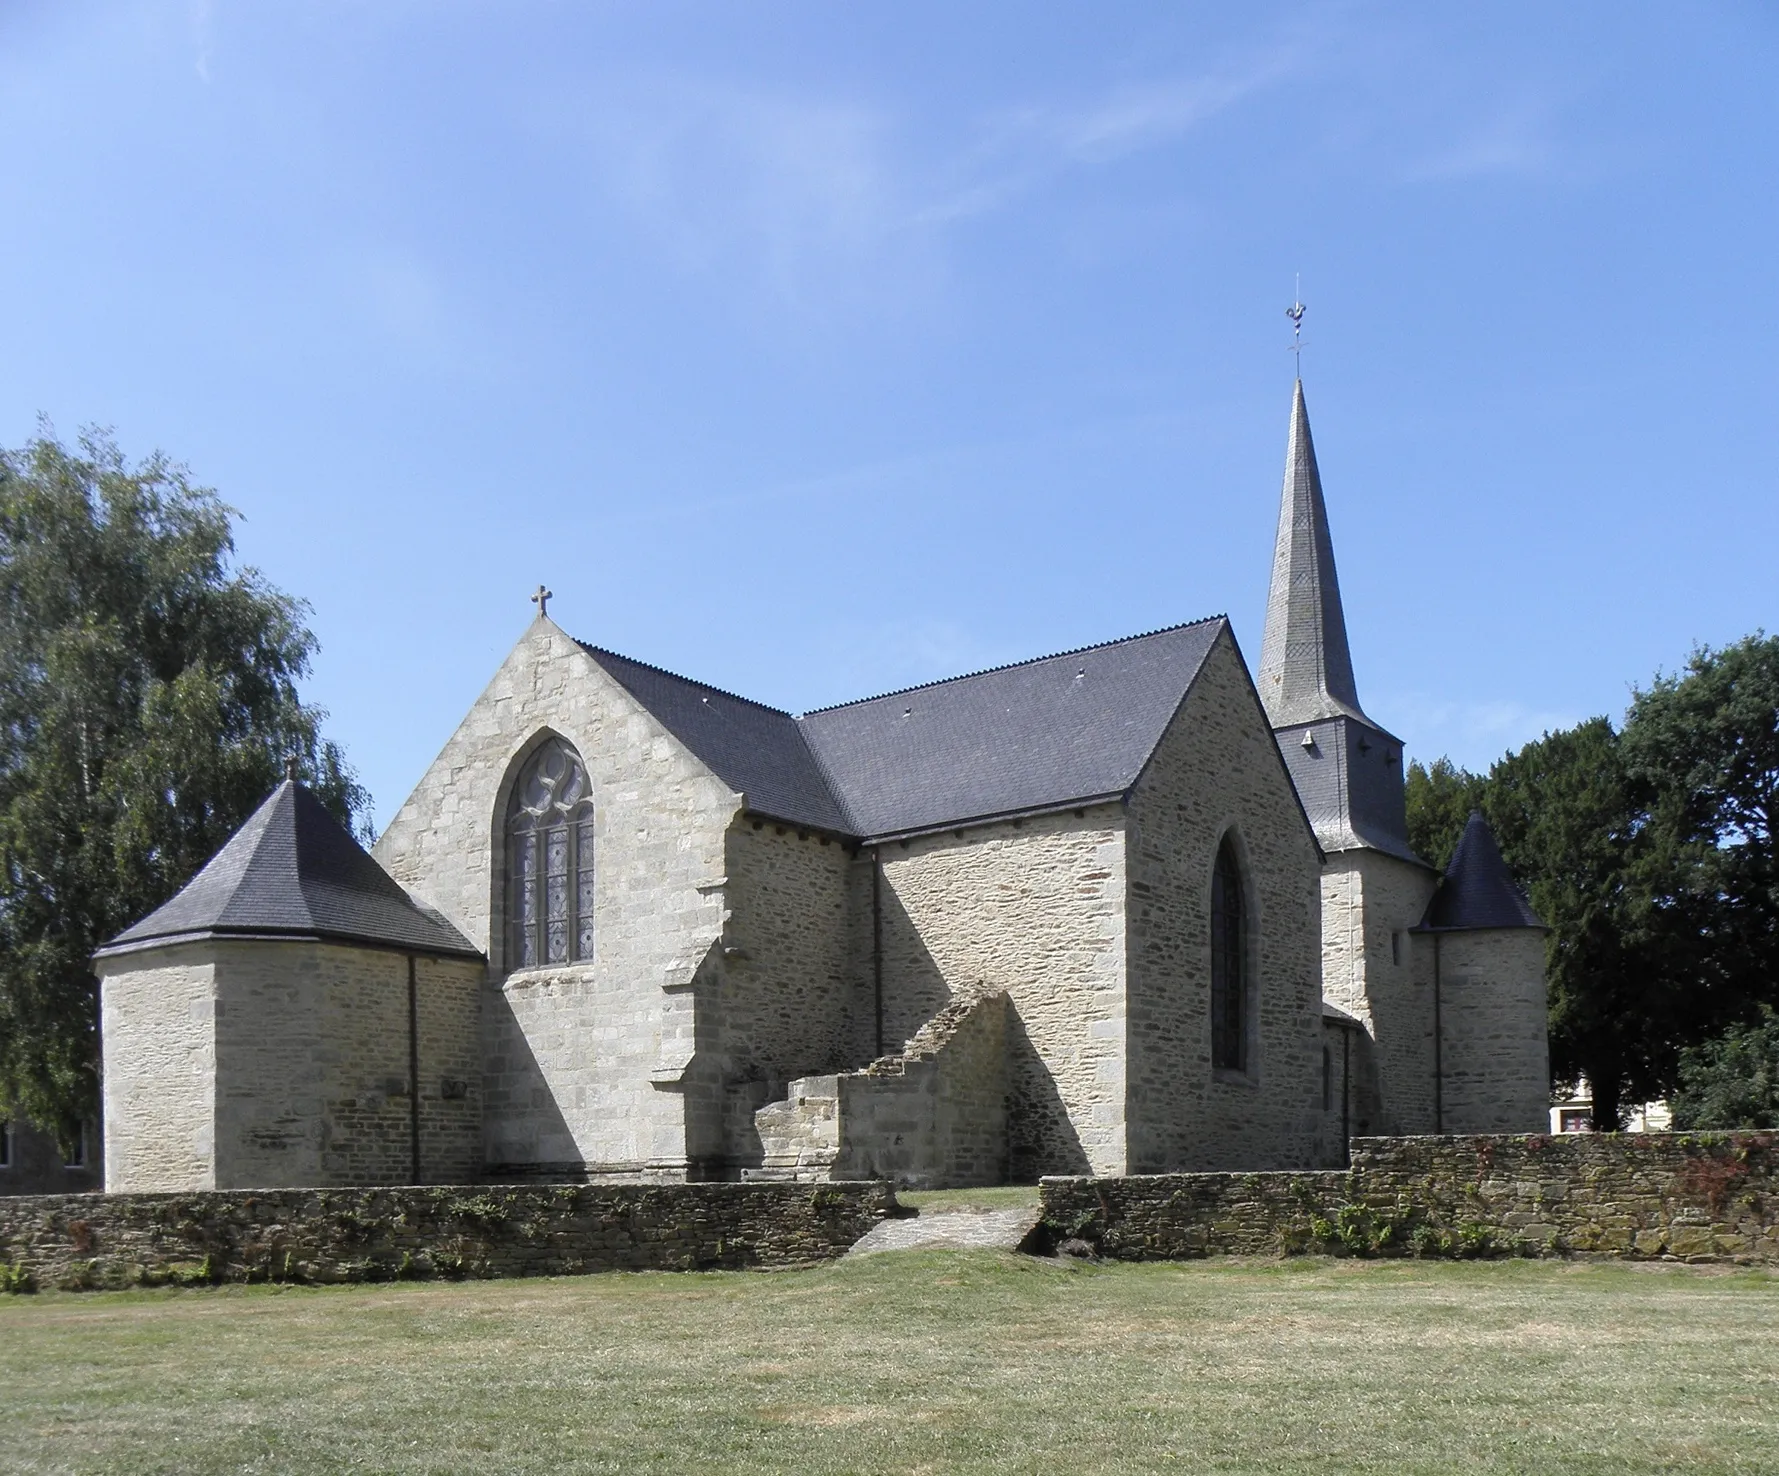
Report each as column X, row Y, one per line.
column 84, row 1241
column 1703, row 1197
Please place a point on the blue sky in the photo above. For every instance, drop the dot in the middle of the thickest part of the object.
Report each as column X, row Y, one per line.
column 817, row 350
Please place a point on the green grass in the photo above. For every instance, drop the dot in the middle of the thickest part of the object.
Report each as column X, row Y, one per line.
column 920, row 1362
column 942, row 1201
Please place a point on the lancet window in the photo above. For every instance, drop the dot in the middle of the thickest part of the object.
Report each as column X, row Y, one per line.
column 549, row 831
column 1229, row 964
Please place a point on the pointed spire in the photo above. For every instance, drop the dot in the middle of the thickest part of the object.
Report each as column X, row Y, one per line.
column 1306, row 670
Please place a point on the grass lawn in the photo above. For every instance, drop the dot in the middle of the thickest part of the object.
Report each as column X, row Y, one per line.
column 934, row 1361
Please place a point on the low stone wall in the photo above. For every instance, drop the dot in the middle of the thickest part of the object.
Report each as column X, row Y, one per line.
column 1643, row 1196
column 327, row 1235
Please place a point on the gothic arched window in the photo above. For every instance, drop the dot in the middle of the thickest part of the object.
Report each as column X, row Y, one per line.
column 550, row 860
column 1229, row 964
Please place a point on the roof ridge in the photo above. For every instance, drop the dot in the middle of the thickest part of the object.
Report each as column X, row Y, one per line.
column 965, row 676
column 596, row 651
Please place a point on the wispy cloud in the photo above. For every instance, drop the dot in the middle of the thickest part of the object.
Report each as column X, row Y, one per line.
column 813, row 191
column 203, row 29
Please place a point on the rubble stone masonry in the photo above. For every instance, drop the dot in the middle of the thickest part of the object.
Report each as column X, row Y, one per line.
column 1708, row 1196
column 1217, row 772
column 84, row 1241
column 1034, row 907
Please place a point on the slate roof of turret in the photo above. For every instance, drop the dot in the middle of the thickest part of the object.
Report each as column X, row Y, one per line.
column 1478, row 891
column 1058, row 730
column 292, row 871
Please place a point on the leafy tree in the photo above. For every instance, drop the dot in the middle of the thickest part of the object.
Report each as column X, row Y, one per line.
column 147, row 703
column 1440, row 798
column 1732, row 1081
column 1706, row 746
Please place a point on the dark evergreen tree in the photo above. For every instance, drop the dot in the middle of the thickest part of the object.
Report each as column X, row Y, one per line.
column 148, row 702
column 1440, row 797
column 1705, row 746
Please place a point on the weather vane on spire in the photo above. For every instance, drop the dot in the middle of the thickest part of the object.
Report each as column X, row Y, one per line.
column 1295, row 313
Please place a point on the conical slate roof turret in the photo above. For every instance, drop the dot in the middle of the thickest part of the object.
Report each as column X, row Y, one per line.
column 1306, row 670
column 292, row 871
column 1478, row 891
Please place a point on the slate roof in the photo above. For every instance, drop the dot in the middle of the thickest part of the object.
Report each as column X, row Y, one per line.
column 1075, row 726
column 1478, row 891
column 1039, row 734
column 752, row 748
column 293, row 871
column 1306, row 667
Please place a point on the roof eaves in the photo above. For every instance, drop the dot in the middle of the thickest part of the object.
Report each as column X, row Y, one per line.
column 970, row 822
column 284, row 935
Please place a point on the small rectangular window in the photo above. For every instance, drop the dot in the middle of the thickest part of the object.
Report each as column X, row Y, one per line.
column 1396, row 948
column 1327, row 1079
column 76, row 1149
column 5, row 1145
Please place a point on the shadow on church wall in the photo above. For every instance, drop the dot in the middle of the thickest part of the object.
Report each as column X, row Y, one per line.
column 524, row 1133
column 1041, row 1138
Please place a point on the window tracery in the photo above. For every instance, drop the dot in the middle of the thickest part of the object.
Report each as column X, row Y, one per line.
column 550, row 875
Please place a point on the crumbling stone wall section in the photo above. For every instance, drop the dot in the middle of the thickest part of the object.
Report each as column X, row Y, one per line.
column 1495, row 1043
column 591, row 1065
column 1632, row 1196
column 1033, row 907
column 933, row 1117
column 87, row 1241
column 1217, row 772
column 1378, row 971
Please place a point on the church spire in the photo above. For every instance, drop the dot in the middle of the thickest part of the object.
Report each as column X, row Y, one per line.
column 1306, row 670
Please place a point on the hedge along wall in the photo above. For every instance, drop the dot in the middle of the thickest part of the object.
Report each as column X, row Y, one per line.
column 80, row 1241
column 1649, row 1196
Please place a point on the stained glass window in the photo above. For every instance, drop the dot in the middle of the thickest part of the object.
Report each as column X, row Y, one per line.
column 550, row 860
column 1229, row 957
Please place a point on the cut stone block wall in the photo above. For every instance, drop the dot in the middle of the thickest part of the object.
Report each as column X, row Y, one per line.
column 933, row 1117
column 589, row 1064
column 264, row 1064
column 157, row 1022
column 1704, row 1196
column 83, row 1241
column 1033, row 907
column 1378, row 971
column 1217, row 771
column 1495, row 1045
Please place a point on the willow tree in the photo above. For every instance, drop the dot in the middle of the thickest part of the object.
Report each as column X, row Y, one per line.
column 148, row 702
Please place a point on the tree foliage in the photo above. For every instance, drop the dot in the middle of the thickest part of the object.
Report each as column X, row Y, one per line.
column 1440, row 799
column 1731, row 1081
column 1650, row 854
column 147, row 703
column 1705, row 745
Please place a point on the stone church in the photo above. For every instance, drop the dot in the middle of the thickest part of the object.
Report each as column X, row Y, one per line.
column 1128, row 909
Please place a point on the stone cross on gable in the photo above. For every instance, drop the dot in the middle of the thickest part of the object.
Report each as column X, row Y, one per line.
column 542, row 600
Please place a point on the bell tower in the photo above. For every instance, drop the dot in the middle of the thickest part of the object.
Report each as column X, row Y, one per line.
column 1349, row 774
